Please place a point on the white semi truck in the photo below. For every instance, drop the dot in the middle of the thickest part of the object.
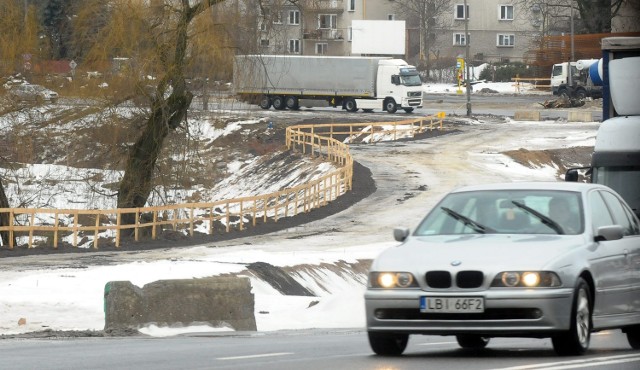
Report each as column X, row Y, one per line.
column 616, row 157
column 350, row 83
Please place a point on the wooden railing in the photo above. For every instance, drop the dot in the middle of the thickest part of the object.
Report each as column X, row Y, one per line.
column 328, row 141
column 536, row 82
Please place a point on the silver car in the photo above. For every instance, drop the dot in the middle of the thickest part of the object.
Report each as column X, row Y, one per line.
column 543, row 260
column 35, row 93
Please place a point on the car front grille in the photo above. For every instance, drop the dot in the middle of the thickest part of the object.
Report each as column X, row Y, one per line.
column 463, row 279
column 488, row 314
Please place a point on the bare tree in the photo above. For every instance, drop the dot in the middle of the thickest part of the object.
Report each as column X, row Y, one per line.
column 591, row 16
column 429, row 16
column 4, row 217
column 159, row 39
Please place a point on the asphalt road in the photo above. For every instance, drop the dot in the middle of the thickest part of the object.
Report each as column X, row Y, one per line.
column 309, row 350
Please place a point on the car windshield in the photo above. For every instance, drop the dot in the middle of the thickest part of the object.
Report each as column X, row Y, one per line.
column 506, row 212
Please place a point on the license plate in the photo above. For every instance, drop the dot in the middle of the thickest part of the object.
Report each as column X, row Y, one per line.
column 452, row 304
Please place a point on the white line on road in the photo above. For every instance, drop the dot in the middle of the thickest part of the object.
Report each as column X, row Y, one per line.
column 255, row 356
column 588, row 362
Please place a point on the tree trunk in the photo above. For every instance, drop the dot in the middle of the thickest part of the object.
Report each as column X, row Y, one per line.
column 4, row 217
column 137, row 183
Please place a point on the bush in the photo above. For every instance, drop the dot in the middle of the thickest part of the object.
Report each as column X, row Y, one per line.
column 504, row 72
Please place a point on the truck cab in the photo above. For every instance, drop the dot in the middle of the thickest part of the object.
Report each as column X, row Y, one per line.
column 616, row 158
column 398, row 85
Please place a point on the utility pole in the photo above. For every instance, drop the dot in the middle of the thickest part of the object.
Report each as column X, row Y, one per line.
column 466, row 63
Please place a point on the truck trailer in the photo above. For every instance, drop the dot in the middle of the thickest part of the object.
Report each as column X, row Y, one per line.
column 616, row 158
column 350, row 83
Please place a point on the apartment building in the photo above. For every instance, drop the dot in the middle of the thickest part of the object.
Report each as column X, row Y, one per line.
column 498, row 30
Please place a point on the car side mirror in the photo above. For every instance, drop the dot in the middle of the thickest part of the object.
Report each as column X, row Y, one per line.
column 395, row 79
column 400, row 233
column 571, row 175
column 609, row 233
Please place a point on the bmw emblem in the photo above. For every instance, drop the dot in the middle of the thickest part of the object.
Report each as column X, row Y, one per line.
column 456, row 263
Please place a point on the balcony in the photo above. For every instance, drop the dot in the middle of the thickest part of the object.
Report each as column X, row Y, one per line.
column 324, row 34
column 320, row 6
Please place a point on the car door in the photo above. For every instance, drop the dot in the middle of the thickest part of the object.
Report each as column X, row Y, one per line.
column 631, row 243
column 609, row 264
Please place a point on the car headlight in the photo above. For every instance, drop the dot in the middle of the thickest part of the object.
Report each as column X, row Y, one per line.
column 526, row 279
column 392, row 280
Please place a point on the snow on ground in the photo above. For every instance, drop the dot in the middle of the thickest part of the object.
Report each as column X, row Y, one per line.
column 72, row 298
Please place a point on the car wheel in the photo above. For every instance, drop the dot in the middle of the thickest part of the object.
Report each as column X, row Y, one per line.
column 390, row 106
column 388, row 344
column 472, row 341
column 292, row 103
column 633, row 336
column 350, row 105
column 278, row 102
column 576, row 340
column 265, row 102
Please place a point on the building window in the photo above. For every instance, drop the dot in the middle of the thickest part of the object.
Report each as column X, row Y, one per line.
column 506, row 12
column 352, row 5
column 391, row 17
column 264, row 42
column 460, row 40
column 506, row 40
column 327, row 21
column 277, row 17
column 460, row 13
column 321, row 48
column 294, row 46
column 294, row 17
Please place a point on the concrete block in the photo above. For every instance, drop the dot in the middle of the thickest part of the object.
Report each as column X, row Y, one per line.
column 215, row 301
column 527, row 115
column 580, row 116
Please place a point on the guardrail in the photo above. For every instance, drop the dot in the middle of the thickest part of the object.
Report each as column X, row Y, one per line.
column 329, row 141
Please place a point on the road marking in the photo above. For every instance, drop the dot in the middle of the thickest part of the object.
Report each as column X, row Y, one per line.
column 589, row 362
column 254, row 356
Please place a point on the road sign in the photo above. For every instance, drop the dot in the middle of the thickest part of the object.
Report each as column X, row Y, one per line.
column 73, row 64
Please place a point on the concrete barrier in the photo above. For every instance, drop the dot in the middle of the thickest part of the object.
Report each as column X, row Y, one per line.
column 580, row 116
column 526, row 115
column 214, row 301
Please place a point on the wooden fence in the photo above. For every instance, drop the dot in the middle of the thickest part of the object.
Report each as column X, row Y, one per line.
column 325, row 140
column 535, row 81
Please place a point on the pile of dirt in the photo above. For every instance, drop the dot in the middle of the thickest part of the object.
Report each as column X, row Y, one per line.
column 562, row 159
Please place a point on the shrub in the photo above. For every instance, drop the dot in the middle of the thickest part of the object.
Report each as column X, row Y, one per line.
column 504, row 72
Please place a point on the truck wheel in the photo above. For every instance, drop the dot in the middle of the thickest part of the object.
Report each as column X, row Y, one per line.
column 265, row 102
column 563, row 93
column 581, row 94
column 350, row 105
column 278, row 102
column 390, row 106
column 292, row 103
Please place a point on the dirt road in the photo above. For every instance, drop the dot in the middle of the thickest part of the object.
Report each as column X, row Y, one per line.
column 410, row 176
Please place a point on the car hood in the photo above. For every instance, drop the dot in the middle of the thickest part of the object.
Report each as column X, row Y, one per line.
column 479, row 252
